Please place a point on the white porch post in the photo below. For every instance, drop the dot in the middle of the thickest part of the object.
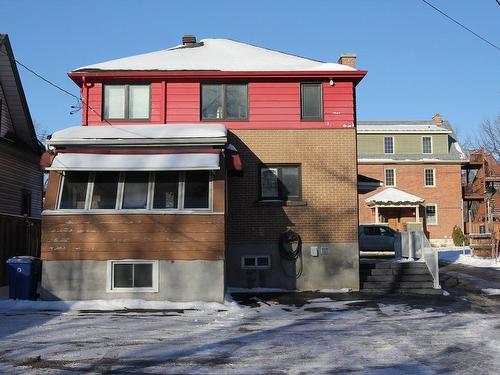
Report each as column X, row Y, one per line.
column 417, row 214
column 376, row 214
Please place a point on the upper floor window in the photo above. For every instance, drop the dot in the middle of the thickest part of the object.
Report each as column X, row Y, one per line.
column 311, row 102
column 280, row 182
column 390, row 177
column 388, row 145
column 427, row 145
column 132, row 190
column 126, row 102
column 430, row 177
column 224, row 101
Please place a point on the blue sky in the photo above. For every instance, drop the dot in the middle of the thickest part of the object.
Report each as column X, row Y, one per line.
column 418, row 62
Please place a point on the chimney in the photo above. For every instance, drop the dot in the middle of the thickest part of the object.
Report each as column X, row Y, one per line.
column 348, row 59
column 437, row 119
column 188, row 40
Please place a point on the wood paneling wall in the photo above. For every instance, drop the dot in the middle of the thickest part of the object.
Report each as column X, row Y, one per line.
column 101, row 237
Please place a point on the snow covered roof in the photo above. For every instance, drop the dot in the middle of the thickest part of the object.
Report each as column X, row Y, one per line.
column 141, row 134
column 149, row 162
column 401, row 127
column 392, row 196
column 216, row 55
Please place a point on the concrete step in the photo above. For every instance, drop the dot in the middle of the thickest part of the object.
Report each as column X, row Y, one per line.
column 398, row 285
column 407, row 271
column 393, row 265
column 424, row 291
column 394, row 278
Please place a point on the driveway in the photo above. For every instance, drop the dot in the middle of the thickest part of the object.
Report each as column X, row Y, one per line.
column 290, row 333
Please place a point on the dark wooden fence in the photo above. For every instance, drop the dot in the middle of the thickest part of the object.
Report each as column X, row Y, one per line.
column 18, row 236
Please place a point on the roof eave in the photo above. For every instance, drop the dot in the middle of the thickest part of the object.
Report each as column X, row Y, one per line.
column 77, row 76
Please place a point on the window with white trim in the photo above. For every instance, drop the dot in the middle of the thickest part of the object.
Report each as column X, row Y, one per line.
column 427, row 145
column 429, row 177
column 132, row 276
column 126, row 102
column 390, row 177
column 388, row 145
column 431, row 214
column 255, row 262
column 136, row 190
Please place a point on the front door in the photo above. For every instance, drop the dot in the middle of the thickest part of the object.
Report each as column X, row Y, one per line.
column 393, row 216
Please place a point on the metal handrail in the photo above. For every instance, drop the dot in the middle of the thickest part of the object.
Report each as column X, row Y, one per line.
column 430, row 258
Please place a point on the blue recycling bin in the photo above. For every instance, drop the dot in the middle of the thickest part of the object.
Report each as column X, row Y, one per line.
column 24, row 272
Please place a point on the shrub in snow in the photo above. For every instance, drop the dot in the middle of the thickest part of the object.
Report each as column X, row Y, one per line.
column 458, row 236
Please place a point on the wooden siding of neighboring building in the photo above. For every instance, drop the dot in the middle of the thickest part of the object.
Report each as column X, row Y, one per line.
column 373, row 144
column 272, row 105
column 20, row 171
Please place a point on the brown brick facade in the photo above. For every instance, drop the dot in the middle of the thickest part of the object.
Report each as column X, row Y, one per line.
column 328, row 167
column 447, row 193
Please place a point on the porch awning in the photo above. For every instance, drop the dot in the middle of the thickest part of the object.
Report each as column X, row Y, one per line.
column 135, row 162
column 393, row 197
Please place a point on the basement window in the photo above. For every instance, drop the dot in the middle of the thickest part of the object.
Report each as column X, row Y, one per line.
column 255, row 262
column 132, row 276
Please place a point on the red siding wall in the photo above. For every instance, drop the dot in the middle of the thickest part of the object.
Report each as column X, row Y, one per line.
column 272, row 105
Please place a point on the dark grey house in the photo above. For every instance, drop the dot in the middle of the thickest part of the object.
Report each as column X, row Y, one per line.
column 21, row 180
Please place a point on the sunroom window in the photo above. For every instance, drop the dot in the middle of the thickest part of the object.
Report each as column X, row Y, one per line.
column 126, row 102
column 136, row 190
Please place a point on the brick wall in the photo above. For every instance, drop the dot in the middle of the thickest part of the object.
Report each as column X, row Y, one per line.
column 447, row 193
column 328, row 162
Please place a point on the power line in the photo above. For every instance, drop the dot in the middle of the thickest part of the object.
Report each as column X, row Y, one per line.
column 462, row 25
column 56, row 86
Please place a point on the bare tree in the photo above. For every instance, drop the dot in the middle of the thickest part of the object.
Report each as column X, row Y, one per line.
column 41, row 132
column 488, row 138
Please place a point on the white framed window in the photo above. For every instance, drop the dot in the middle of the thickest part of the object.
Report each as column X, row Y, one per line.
column 427, row 145
column 252, row 262
column 169, row 190
column 132, row 275
column 390, row 177
column 429, row 177
column 126, row 102
column 431, row 215
column 389, row 145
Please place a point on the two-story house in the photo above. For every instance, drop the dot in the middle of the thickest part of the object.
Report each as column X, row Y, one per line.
column 418, row 166
column 20, row 175
column 210, row 164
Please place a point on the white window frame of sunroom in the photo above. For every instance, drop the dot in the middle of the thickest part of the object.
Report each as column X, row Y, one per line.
column 149, row 206
column 433, row 178
column 393, row 145
column 385, row 176
column 109, row 276
column 425, row 212
column 432, row 145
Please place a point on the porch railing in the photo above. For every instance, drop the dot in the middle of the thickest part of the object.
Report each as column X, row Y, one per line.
column 415, row 245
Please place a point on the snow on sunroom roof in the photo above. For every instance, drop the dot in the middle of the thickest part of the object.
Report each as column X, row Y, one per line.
column 217, row 55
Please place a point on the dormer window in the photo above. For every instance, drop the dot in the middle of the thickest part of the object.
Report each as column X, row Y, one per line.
column 224, row 102
column 388, row 145
column 427, row 145
column 126, row 102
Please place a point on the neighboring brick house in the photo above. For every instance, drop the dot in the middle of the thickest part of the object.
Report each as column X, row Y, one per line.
column 20, row 175
column 172, row 221
column 418, row 158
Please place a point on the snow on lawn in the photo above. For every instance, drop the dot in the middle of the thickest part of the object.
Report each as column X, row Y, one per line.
column 379, row 336
column 457, row 256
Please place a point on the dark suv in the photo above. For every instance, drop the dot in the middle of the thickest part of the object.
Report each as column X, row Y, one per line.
column 377, row 237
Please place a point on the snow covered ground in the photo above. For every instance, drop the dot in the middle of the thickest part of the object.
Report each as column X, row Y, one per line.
column 458, row 256
column 266, row 333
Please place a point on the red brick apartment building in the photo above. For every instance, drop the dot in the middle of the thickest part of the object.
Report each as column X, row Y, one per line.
column 415, row 173
column 211, row 164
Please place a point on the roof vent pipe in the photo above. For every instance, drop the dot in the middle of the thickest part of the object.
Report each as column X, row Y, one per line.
column 188, row 40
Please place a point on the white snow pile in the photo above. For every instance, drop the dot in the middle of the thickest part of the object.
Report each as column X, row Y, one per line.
column 114, row 304
column 467, row 259
column 491, row 291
